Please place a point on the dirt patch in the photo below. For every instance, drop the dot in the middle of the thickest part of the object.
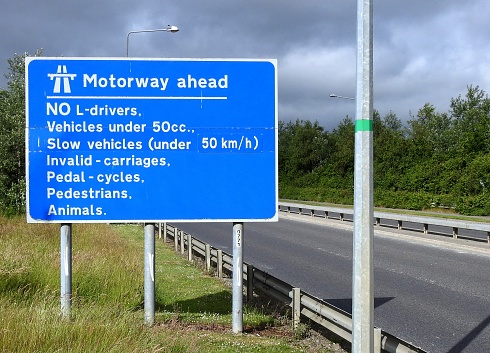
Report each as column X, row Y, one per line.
column 312, row 342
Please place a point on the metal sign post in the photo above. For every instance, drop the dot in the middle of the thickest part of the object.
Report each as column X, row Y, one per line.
column 65, row 270
column 237, row 293
column 149, row 274
column 362, row 286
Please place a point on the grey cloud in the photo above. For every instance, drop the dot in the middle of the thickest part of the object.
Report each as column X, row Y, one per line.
column 424, row 51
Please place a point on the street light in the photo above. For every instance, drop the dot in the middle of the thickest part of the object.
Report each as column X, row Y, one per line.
column 363, row 249
column 171, row 29
column 336, row 96
column 149, row 235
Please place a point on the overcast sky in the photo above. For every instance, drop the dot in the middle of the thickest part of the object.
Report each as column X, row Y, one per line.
column 425, row 51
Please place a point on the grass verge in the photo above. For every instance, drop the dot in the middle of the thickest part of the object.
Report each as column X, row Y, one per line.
column 193, row 308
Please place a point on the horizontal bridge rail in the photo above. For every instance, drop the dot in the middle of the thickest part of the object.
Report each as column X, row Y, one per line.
column 450, row 227
column 303, row 304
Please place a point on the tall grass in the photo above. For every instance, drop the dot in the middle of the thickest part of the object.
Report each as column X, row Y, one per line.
column 193, row 309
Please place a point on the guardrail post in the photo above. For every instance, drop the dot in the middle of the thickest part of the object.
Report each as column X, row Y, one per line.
column 341, row 217
column 189, row 247
column 176, row 239
column 312, row 212
column 400, row 225
column 182, row 242
column 378, row 221
column 377, row 340
column 488, row 237
column 296, row 307
column 426, row 228
column 207, row 255
column 219, row 264
column 326, row 214
column 455, row 232
column 250, row 282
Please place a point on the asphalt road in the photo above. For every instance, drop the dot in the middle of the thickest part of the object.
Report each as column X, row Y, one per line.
column 432, row 293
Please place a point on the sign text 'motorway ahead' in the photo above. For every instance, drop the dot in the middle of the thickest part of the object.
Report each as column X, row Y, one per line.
column 118, row 140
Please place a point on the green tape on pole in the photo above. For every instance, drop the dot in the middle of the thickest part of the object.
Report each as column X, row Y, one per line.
column 364, row 125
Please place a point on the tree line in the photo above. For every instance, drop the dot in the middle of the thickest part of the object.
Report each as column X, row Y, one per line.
column 435, row 160
column 12, row 138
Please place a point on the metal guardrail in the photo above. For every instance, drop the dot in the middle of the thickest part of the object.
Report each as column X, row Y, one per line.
column 303, row 305
column 399, row 221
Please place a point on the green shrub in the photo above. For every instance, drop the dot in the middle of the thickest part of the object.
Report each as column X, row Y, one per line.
column 403, row 199
column 319, row 194
column 474, row 205
column 13, row 198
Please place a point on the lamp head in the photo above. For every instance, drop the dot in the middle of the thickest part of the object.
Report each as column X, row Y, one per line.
column 172, row 29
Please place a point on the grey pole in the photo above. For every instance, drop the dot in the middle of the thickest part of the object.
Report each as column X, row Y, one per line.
column 149, row 274
column 362, row 286
column 65, row 270
column 237, row 293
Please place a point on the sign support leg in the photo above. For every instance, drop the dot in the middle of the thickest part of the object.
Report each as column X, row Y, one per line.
column 65, row 269
column 149, row 274
column 237, row 307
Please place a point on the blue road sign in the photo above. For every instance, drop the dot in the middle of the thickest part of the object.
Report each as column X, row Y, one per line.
column 121, row 140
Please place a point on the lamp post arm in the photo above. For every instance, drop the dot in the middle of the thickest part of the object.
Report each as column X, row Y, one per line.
column 336, row 96
column 171, row 29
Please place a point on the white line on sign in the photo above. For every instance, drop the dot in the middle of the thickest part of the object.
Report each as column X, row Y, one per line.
column 143, row 97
